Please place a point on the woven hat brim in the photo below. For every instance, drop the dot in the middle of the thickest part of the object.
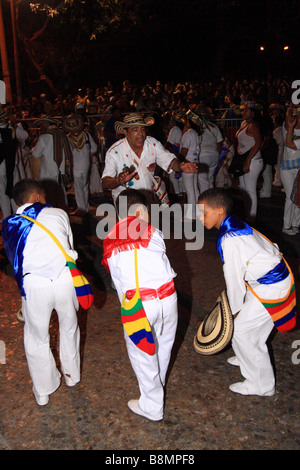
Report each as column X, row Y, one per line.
column 120, row 126
column 68, row 128
column 216, row 330
column 39, row 121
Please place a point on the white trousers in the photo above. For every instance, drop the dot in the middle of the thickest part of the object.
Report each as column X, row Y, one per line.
column 42, row 296
column 291, row 215
column 252, row 327
column 177, row 184
column 151, row 371
column 206, row 178
column 81, row 189
column 248, row 183
column 190, row 182
column 267, row 175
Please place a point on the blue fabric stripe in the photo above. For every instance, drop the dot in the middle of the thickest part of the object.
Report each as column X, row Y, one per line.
column 141, row 334
column 15, row 230
column 286, row 318
column 277, row 274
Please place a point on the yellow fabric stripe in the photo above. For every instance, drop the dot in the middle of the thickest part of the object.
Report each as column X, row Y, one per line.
column 133, row 327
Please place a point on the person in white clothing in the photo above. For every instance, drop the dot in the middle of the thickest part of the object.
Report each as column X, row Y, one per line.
column 249, row 138
column 210, row 146
column 278, row 136
column 250, row 257
column 83, row 147
column 131, row 162
column 289, row 169
column 158, row 295
column 189, row 151
column 53, row 148
column 45, row 284
column 173, row 145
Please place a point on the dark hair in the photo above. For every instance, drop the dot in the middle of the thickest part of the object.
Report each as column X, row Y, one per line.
column 23, row 190
column 134, row 197
column 217, row 197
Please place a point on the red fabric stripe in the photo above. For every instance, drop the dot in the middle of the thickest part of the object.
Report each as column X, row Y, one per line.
column 273, row 310
column 136, row 316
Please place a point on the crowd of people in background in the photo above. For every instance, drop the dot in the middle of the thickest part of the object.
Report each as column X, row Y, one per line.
column 219, row 107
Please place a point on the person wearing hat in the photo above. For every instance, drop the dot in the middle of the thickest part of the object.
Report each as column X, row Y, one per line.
column 256, row 277
column 83, row 147
column 53, row 146
column 249, row 138
column 140, row 152
column 189, row 151
column 210, row 147
column 8, row 149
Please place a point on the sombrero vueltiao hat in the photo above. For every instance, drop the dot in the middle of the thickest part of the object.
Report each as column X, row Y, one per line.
column 215, row 331
column 194, row 117
column 45, row 118
column 133, row 120
column 178, row 117
column 73, row 123
column 251, row 105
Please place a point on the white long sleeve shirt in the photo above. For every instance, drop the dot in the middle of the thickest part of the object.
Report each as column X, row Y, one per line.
column 41, row 255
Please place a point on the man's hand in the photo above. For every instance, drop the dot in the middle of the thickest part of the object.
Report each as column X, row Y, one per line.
column 290, row 120
column 126, row 176
column 188, row 167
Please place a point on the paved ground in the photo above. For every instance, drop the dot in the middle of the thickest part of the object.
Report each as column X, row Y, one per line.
column 200, row 411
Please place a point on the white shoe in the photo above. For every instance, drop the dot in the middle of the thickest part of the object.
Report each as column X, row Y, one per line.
column 133, row 405
column 41, row 400
column 69, row 381
column 246, row 388
column 233, row 361
column 289, row 231
column 296, row 230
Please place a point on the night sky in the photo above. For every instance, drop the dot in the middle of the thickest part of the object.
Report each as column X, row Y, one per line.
column 174, row 41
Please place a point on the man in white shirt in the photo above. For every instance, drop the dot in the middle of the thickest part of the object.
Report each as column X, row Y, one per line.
column 45, row 284
column 83, row 147
column 131, row 161
column 53, row 148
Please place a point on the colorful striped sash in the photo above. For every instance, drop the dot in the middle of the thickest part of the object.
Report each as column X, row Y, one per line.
column 134, row 318
column 283, row 311
column 82, row 287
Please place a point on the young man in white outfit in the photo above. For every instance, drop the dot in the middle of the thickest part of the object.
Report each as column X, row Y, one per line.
column 158, row 296
column 45, row 284
column 249, row 257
